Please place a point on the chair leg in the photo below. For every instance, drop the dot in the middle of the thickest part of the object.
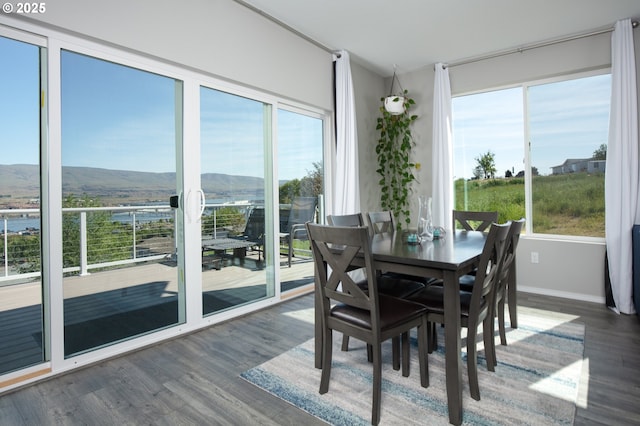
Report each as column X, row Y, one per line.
column 377, row 383
column 472, row 360
column 395, row 350
column 405, row 354
column 432, row 337
column 369, row 353
column 503, row 333
column 423, row 358
column 345, row 343
column 327, row 343
column 488, row 331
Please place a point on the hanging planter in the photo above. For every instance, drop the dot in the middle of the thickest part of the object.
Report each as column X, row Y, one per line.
column 394, row 149
column 395, row 103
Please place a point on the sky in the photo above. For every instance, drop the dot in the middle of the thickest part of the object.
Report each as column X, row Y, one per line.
column 120, row 118
column 116, row 117
column 568, row 119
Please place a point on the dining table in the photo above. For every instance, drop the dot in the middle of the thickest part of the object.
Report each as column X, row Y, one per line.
column 449, row 257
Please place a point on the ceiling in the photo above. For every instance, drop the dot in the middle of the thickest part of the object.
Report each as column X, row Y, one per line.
column 410, row 34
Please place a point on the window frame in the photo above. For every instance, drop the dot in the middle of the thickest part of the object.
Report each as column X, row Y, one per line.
column 526, row 146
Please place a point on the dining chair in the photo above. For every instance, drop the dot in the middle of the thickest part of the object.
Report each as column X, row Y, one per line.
column 366, row 315
column 354, row 219
column 476, row 307
column 474, row 221
column 506, row 269
column 397, row 286
column 383, row 222
column 507, row 274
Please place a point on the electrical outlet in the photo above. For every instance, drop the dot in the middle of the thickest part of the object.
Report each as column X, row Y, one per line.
column 535, row 257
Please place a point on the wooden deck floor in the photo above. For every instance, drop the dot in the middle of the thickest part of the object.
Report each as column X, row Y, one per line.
column 108, row 306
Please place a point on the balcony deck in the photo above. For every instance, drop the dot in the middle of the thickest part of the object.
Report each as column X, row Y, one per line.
column 108, row 306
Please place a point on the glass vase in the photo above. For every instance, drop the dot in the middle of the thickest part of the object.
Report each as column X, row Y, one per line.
column 425, row 224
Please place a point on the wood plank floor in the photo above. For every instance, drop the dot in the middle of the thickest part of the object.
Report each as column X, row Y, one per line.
column 195, row 379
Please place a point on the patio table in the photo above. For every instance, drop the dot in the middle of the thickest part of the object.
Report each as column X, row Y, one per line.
column 221, row 245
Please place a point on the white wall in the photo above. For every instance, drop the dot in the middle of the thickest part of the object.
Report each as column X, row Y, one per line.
column 219, row 37
column 566, row 268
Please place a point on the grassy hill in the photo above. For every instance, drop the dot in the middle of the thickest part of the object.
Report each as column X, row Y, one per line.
column 20, row 183
column 570, row 204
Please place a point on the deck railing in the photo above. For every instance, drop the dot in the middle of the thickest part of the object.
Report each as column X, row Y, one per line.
column 107, row 237
column 103, row 237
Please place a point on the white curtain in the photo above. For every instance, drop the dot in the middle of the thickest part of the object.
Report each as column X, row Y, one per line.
column 442, row 161
column 347, row 185
column 621, row 175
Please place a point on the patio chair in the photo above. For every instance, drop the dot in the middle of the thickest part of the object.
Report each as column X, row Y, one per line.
column 303, row 210
column 254, row 230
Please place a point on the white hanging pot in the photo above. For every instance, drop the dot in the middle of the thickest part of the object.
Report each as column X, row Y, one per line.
column 394, row 104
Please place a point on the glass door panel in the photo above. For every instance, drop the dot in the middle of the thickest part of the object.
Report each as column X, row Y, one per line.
column 119, row 143
column 21, row 308
column 300, row 173
column 235, row 246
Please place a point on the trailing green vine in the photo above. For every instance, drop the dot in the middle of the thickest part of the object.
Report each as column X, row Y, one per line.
column 394, row 160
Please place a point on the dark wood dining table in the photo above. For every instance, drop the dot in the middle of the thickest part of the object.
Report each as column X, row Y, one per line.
column 447, row 258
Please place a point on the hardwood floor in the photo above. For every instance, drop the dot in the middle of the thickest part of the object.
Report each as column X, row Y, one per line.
column 195, row 379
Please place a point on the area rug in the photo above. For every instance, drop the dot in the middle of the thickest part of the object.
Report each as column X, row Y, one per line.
column 536, row 381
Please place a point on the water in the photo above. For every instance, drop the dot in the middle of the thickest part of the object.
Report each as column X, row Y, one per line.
column 29, row 223
column 25, row 224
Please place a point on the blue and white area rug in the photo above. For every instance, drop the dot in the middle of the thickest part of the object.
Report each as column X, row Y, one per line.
column 536, row 382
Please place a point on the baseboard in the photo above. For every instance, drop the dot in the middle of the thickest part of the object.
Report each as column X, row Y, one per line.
column 562, row 294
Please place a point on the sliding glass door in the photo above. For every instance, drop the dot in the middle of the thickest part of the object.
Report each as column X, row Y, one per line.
column 301, row 189
column 236, row 242
column 119, row 143
column 102, row 245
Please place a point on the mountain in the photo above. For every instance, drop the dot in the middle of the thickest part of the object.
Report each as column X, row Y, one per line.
column 21, row 182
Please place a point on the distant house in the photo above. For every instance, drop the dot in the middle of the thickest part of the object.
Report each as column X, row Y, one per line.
column 574, row 165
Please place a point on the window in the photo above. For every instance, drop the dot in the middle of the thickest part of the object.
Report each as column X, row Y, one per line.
column 567, row 126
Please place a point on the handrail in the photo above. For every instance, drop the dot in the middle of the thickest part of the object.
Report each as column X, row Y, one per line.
column 9, row 266
column 84, row 267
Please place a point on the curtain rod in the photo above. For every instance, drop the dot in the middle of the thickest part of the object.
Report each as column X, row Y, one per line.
column 522, row 49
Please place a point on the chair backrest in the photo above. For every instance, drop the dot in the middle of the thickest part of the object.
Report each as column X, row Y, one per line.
column 254, row 230
column 355, row 219
column 488, row 269
column 510, row 253
column 303, row 210
column 381, row 222
column 474, row 221
column 334, row 248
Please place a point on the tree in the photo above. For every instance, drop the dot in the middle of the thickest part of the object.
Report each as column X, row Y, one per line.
column 225, row 217
column 600, row 153
column 106, row 240
column 486, row 165
column 309, row 186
